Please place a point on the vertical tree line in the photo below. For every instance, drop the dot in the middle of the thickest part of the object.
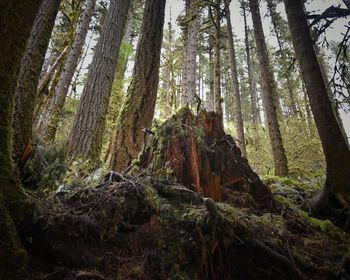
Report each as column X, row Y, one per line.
column 138, row 108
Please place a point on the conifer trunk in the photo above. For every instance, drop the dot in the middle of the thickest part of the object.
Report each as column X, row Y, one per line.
column 44, row 81
column 31, row 65
column 267, row 84
column 70, row 66
column 184, row 76
column 138, row 108
column 334, row 143
column 16, row 20
column 89, row 124
column 117, row 94
column 192, row 54
column 210, row 95
column 252, row 91
column 272, row 10
column 217, row 62
column 235, row 85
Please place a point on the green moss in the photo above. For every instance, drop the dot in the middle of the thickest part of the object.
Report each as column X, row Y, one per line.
column 192, row 214
column 290, row 181
column 80, row 169
column 300, row 256
column 326, row 226
column 285, row 202
column 273, row 222
column 232, row 215
column 137, row 270
column 152, row 198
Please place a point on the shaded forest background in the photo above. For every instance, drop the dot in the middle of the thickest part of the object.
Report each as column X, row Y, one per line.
column 303, row 150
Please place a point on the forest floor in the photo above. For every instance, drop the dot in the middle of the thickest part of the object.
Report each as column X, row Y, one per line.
column 138, row 225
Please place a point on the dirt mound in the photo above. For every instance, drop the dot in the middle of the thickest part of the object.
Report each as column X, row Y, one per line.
column 144, row 228
column 190, row 208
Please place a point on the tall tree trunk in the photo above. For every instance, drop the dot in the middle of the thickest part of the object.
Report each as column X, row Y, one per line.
column 210, row 95
column 252, row 88
column 117, row 94
column 192, row 54
column 267, row 84
column 309, row 118
column 272, row 10
column 138, row 109
column 32, row 63
column 234, row 84
column 87, row 133
column 16, row 20
column 44, row 83
column 184, row 79
column 334, row 143
column 70, row 66
column 217, row 64
column 42, row 114
column 46, row 78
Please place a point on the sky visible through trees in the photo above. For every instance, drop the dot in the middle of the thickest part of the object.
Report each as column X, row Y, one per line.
column 174, row 8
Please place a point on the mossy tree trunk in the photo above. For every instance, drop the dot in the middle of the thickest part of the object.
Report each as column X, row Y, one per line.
column 252, row 88
column 138, row 109
column 210, row 98
column 32, row 63
column 334, row 142
column 268, row 87
column 118, row 94
column 190, row 53
column 89, row 124
column 234, row 84
column 70, row 66
column 216, row 61
column 16, row 21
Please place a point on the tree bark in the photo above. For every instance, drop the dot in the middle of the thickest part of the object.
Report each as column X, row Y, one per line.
column 184, row 77
column 138, row 109
column 118, row 94
column 16, row 20
column 192, row 54
column 210, row 96
column 309, row 119
column 217, row 64
column 334, row 143
column 235, row 85
column 45, row 79
column 252, row 88
column 44, row 83
column 70, row 66
column 42, row 113
column 267, row 84
column 273, row 14
column 32, row 63
column 87, row 133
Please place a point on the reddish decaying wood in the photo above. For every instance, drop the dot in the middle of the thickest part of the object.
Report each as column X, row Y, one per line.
column 197, row 153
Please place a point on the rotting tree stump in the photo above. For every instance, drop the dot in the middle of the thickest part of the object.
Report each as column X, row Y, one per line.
column 197, row 153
